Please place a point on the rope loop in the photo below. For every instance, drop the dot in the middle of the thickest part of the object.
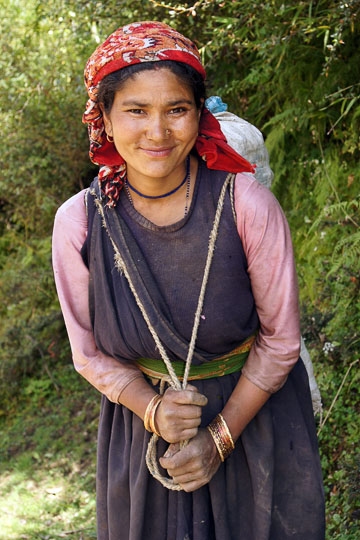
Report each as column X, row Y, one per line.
column 151, row 456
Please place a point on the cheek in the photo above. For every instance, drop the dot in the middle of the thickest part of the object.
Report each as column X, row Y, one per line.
column 189, row 130
column 126, row 135
column 125, row 127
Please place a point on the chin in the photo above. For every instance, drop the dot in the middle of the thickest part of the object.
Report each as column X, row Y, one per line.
column 157, row 170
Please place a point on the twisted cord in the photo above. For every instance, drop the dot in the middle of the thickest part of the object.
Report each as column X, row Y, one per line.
column 121, row 266
column 151, row 457
column 213, row 237
column 232, row 181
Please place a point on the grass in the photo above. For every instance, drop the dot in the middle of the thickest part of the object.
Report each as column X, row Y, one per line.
column 47, row 461
column 339, row 452
column 48, row 457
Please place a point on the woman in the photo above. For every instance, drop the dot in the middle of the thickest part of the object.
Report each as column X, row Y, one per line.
column 129, row 259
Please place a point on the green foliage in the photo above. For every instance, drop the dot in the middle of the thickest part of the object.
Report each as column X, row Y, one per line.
column 292, row 69
column 47, row 460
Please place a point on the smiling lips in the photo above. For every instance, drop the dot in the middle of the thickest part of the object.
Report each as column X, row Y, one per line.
column 157, row 152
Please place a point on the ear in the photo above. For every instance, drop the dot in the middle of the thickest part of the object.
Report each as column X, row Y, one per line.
column 107, row 121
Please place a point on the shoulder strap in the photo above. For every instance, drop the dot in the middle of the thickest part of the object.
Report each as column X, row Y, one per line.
column 124, row 263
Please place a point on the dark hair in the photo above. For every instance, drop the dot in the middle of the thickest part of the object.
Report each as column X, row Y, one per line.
column 114, row 81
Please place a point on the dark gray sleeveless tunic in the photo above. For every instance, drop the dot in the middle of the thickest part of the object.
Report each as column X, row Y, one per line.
column 270, row 488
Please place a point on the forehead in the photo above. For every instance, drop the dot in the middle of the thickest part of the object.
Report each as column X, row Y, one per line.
column 153, row 86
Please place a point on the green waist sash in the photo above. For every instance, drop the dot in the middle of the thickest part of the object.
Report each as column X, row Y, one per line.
column 229, row 363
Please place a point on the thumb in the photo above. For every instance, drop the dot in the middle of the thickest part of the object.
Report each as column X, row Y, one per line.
column 172, row 450
column 191, row 388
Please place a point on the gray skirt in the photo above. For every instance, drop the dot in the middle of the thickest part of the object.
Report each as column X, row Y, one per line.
column 270, row 488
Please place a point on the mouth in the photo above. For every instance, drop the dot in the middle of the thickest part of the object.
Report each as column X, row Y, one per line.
column 157, row 152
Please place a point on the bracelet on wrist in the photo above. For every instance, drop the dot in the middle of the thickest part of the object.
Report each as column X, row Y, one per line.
column 221, row 435
column 149, row 416
column 152, row 417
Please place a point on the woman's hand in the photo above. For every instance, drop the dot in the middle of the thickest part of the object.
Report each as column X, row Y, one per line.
column 194, row 465
column 178, row 416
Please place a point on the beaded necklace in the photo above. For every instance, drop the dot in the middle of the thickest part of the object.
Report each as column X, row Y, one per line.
column 187, row 179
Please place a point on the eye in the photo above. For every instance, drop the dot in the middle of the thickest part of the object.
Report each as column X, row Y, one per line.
column 177, row 110
column 136, row 111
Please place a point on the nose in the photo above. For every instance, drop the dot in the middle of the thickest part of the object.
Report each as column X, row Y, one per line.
column 157, row 128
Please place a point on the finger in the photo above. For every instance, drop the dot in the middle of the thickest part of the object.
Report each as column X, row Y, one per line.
column 192, row 388
column 187, row 434
column 187, row 477
column 176, row 414
column 189, row 415
column 186, row 457
column 176, row 436
column 194, row 485
column 189, row 412
column 172, row 450
column 190, row 469
column 190, row 397
column 176, row 461
column 179, row 435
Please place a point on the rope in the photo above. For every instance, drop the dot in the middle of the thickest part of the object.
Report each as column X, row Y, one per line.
column 213, row 236
column 151, row 458
column 232, row 181
column 121, row 266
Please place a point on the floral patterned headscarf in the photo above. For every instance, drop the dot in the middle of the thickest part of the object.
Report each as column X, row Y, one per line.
column 132, row 44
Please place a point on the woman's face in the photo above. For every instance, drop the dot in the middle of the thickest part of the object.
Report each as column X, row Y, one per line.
column 154, row 122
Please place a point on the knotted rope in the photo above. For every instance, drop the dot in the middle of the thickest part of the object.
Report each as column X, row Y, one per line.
column 172, row 379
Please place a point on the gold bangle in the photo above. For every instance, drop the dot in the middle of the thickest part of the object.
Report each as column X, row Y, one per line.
column 225, row 427
column 221, row 435
column 152, row 417
column 148, row 411
column 216, row 440
column 154, row 401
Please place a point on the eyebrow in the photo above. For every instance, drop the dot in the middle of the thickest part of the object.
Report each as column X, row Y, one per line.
column 136, row 104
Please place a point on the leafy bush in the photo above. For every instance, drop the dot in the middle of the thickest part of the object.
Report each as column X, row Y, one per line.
column 290, row 68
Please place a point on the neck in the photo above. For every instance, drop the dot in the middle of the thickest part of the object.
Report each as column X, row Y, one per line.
column 168, row 210
column 168, row 193
column 157, row 187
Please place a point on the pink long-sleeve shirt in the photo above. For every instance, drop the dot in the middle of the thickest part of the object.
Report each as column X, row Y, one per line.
column 266, row 240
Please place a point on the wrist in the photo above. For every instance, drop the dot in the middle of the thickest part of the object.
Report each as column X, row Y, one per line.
column 149, row 416
column 156, row 418
column 214, row 451
column 221, row 436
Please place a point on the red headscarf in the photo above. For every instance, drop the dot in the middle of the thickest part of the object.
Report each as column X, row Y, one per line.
column 147, row 42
